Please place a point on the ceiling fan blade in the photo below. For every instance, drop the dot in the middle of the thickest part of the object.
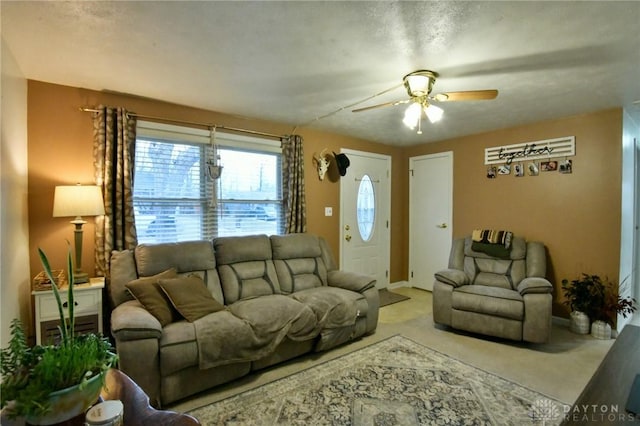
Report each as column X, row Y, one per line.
column 469, row 95
column 386, row 104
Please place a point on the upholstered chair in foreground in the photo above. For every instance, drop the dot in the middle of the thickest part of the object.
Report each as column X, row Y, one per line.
column 505, row 297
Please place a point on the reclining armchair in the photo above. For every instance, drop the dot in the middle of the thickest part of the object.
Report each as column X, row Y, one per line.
column 506, row 296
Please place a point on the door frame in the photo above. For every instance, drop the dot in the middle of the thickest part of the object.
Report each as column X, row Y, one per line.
column 387, row 203
column 448, row 155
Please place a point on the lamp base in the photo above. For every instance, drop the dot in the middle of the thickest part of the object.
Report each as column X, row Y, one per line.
column 80, row 277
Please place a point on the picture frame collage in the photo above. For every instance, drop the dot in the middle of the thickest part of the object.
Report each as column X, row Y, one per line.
column 530, row 168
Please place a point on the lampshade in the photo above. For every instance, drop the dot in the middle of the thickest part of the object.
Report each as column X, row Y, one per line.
column 418, row 85
column 433, row 113
column 412, row 115
column 77, row 200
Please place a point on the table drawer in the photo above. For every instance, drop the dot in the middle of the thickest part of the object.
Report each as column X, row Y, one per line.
column 85, row 302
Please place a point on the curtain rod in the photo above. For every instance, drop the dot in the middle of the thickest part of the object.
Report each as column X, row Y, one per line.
column 193, row 123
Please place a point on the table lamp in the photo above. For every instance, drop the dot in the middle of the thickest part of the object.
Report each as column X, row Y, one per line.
column 78, row 201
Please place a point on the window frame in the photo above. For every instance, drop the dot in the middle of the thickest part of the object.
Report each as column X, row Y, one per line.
column 169, row 133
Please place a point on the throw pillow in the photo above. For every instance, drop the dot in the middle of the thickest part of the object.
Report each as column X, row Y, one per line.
column 147, row 291
column 190, row 296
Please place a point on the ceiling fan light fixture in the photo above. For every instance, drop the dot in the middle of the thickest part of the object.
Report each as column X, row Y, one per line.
column 412, row 115
column 434, row 114
column 419, row 83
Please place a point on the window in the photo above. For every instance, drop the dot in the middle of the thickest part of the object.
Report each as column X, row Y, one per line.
column 366, row 208
column 175, row 199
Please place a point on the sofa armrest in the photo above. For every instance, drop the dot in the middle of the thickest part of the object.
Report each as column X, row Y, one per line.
column 350, row 280
column 453, row 277
column 534, row 285
column 131, row 321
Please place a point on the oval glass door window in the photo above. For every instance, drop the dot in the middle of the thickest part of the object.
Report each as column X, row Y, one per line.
column 366, row 208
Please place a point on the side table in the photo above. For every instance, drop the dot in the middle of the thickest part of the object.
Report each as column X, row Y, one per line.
column 88, row 310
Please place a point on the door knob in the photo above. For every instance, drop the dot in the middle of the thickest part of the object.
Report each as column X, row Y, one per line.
column 347, row 237
column 442, row 225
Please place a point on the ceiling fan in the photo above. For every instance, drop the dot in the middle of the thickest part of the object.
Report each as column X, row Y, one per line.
column 419, row 85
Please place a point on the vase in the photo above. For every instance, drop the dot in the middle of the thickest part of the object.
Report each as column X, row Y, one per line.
column 70, row 402
column 601, row 330
column 579, row 322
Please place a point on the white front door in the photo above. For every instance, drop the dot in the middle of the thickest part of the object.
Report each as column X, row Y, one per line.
column 365, row 206
column 430, row 216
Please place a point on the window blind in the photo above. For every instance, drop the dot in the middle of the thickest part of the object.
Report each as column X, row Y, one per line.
column 175, row 199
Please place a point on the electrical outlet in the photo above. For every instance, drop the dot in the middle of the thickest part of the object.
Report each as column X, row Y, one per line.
column 328, row 211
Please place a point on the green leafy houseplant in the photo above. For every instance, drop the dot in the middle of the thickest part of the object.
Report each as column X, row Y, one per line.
column 597, row 297
column 579, row 294
column 31, row 374
column 608, row 304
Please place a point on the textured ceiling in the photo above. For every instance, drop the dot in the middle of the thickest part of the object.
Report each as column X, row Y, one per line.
column 295, row 62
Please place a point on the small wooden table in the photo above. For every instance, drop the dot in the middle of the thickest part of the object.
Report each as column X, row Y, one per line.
column 603, row 400
column 137, row 410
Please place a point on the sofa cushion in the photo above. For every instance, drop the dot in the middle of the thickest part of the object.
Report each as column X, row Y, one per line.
column 245, row 267
column 494, row 301
column 123, row 270
column 231, row 250
column 190, row 297
column 184, row 256
column 148, row 292
column 178, row 347
column 298, row 262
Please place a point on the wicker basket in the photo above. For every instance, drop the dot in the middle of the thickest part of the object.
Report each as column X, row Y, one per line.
column 41, row 281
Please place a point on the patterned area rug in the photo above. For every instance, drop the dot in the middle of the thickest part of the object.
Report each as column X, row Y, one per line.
column 393, row 382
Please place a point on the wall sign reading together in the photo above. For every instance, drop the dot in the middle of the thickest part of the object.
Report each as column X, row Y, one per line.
column 536, row 150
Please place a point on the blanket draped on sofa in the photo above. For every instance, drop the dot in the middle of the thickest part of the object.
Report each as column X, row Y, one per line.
column 250, row 329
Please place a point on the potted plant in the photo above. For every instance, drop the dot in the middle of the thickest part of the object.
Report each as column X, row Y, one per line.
column 608, row 304
column 48, row 384
column 579, row 295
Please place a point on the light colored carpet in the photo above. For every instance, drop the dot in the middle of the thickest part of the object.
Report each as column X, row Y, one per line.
column 396, row 381
column 559, row 369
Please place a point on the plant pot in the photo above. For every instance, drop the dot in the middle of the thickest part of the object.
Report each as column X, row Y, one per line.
column 70, row 402
column 601, row 330
column 579, row 322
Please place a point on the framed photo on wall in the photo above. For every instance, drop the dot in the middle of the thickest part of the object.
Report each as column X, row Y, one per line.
column 518, row 170
column 504, row 169
column 549, row 166
column 566, row 166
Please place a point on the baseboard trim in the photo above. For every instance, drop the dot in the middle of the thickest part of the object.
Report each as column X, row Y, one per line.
column 398, row 284
column 560, row 321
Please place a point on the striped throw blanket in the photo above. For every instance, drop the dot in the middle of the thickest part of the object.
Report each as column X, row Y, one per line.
column 490, row 236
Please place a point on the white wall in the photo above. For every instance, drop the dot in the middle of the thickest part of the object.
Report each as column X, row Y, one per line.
column 628, row 227
column 14, row 230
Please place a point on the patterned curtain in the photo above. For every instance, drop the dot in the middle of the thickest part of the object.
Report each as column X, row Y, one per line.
column 114, row 136
column 293, row 185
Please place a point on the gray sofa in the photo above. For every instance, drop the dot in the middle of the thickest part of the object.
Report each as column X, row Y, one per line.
column 273, row 299
column 503, row 297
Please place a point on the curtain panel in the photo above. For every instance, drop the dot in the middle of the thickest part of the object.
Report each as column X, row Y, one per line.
column 114, row 136
column 293, row 185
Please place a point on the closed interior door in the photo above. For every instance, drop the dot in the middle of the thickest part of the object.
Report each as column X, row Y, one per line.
column 365, row 199
column 430, row 216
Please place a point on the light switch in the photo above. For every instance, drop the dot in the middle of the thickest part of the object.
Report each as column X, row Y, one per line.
column 328, row 211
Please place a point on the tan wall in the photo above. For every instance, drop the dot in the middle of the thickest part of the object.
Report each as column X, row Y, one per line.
column 576, row 215
column 60, row 152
